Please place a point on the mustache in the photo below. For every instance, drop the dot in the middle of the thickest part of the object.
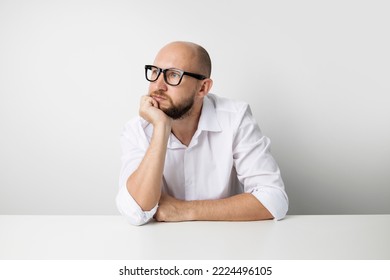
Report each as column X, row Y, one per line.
column 159, row 93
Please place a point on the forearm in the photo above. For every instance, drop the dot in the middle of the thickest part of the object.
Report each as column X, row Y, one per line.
column 144, row 184
column 241, row 207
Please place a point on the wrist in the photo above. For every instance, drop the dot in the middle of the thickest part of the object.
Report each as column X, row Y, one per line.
column 163, row 125
column 190, row 213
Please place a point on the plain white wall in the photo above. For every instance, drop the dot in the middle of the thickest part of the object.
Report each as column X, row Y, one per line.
column 316, row 74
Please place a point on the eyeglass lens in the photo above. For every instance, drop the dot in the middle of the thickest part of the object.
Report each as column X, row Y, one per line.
column 171, row 76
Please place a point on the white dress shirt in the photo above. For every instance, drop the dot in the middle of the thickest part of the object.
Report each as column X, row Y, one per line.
column 228, row 155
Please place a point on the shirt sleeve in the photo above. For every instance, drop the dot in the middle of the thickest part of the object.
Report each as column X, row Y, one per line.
column 134, row 145
column 256, row 169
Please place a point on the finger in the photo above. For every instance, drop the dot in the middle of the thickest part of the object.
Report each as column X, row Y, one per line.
column 158, row 216
column 144, row 100
column 154, row 103
column 148, row 101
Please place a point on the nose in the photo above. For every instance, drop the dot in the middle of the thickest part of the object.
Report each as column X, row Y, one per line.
column 160, row 84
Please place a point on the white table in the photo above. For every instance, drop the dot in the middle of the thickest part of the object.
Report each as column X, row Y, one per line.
column 111, row 237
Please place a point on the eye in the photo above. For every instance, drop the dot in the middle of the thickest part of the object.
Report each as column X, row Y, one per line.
column 174, row 75
column 154, row 72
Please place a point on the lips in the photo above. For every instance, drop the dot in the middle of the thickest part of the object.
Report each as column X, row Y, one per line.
column 157, row 97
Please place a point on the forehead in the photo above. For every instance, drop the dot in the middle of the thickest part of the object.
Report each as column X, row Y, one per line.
column 177, row 56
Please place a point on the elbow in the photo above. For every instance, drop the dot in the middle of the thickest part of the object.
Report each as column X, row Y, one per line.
column 131, row 215
column 145, row 201
column 135, row 222
column 130, row 210
column 274, row 200
column 281, row 209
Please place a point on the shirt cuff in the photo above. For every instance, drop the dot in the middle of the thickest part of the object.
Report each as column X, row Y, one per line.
column 130, row 209
column 273, row 199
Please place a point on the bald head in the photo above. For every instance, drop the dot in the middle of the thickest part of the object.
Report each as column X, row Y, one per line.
column 190, row 56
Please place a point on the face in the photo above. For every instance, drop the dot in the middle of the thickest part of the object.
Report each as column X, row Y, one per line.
column 176, row 101
column 175, row 111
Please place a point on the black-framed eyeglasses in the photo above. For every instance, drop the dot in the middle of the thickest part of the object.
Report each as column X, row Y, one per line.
column 172, row 76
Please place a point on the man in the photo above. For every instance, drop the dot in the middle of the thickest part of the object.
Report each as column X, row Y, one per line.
column 191, row 155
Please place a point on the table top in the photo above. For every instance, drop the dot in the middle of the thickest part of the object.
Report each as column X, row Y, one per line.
column 304, row 237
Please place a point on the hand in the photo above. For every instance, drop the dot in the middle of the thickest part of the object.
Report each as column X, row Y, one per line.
column 150, row 111
column 171, row 209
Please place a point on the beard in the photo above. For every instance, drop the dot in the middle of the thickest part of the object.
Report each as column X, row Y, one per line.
column 179, row 111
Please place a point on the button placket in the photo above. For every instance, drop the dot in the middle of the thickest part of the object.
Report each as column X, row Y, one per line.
column 189, row 174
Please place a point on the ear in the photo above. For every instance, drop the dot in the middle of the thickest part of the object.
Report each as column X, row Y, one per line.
column 205, row 87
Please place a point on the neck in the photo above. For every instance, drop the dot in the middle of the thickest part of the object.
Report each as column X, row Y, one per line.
column 185, row 128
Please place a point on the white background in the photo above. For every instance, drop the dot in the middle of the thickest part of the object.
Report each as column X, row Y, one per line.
column 316, row 74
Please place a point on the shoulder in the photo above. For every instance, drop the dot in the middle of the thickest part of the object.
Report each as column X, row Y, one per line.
column 230, row 113
column 227, row 106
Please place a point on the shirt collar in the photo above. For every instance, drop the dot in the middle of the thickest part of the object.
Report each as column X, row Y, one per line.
column 208, row 120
